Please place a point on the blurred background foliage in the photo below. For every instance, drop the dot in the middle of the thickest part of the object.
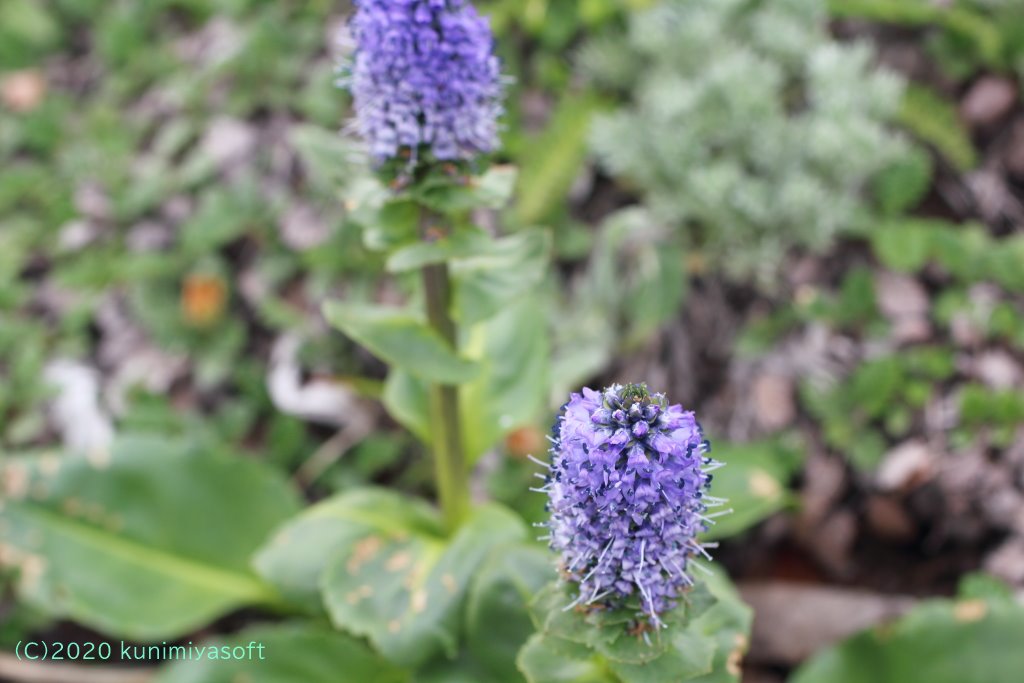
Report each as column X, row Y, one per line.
column 802, row 219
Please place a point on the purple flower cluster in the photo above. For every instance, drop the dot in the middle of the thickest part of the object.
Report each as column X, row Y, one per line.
column 627, row 484
column 424, row 75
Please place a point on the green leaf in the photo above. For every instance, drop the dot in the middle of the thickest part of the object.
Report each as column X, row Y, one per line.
column 492, row 190
column 689, row 656
column 903, row 185
column 404, row 588
column 387, row 223
column 704, row 639
column 935, row 121
column 487, row 282
column 407, row 400
column 728, row 621
column 401, row 340
column 294, row 560
column 754, row 480
column 165, row 531
column 941, row 641
column 903, row 245
column 460, row 244
column 551, row 162
column 510, row 390
column 513, row 351
column 547, row 659
column 27, row 30
column 300, row 652
column 328, row 157
column 497, row 621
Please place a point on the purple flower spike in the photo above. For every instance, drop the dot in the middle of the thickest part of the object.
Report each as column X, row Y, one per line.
column 627, row 497
column 424, row 75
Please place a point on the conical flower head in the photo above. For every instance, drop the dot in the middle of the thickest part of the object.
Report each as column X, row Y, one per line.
column 627, row 497
column 424, row 78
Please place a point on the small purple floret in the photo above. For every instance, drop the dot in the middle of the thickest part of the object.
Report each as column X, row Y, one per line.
column 627, row 500
column 424, row 75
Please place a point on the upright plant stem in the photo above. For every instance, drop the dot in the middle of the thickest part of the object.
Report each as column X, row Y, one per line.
column 449, row 459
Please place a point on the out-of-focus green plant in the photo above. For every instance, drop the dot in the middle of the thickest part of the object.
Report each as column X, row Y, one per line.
column 747, row 127
column 971, row 639
column 971, row 34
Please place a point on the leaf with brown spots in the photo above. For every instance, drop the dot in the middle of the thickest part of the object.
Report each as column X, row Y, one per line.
column 418, row 579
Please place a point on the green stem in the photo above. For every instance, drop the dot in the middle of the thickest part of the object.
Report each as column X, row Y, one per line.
column 450, row 470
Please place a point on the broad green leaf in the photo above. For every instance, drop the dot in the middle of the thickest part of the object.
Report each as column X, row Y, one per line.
column 387, row 223
column 295, row 558
column 402, row 340
column 755, row 482
column 690, row 656
column 492, row 190
column 704, row 638
column 728, row 622
column 485, row 283
column 970, row 640
column 407, row 400
column 463, row 669
column 547, row 659
column 404, row 588
column 606, row 631
column 512, row 352
column 462, row 243
column 495, row 188
column 149, row 541
column 296, row 652
column 497, row 621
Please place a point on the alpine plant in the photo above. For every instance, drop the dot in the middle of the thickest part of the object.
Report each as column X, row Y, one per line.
column 424, row 80
column 627, row 495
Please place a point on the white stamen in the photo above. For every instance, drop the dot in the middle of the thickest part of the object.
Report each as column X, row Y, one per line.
column 539, row 462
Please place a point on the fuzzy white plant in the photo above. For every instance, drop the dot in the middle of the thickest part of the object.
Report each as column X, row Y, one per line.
column 747, row 126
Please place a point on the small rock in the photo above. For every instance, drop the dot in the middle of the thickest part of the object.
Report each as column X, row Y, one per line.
column 22, row 91
column 965, row 330
column 900, row 296
column 992, row 194
column 303, row 228
column 997, row 369
column 906, row 466
column 773, row 401
column 1004, row 507
column 228, row 141
column 92, row 202
column 889, row 520
column 76, row 235
column 824, row 481
column 177, row 209
column 834, row 539
column 911, row 330
column 148, row 235
column 794, row 621
column 988, row 100
column 1007, row 561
